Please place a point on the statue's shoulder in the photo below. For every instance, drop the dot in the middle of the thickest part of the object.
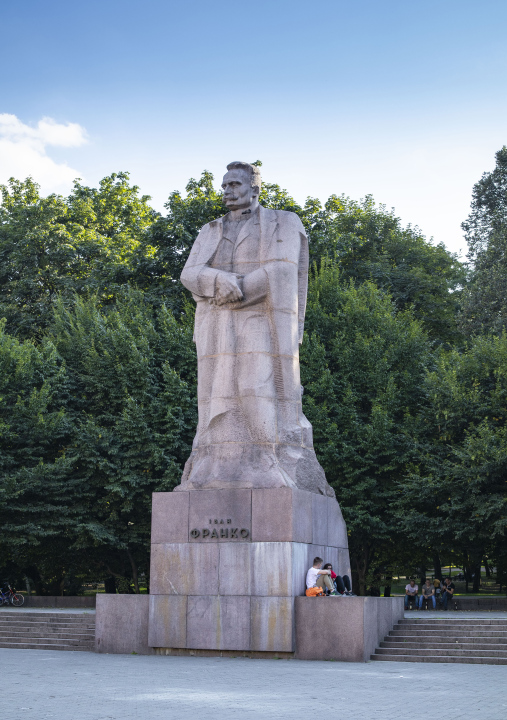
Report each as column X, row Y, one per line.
column 211, row 226
column 285, row 217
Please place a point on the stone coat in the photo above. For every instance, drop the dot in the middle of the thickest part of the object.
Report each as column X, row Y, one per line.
column 252, row 431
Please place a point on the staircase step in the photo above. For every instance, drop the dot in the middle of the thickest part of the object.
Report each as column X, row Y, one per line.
column 446, row 646
column 40, row 633
column 34, row 614
column 468, row 640
column 47, row 631
column 448, row 633
column 35, row 646
column 67, row 640
column 448, row 620
column 441, row 659
column 429, row 652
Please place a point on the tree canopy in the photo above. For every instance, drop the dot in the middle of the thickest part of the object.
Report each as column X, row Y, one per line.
column 98, row 377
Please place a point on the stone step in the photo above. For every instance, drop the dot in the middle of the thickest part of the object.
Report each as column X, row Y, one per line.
column 446, row 649
column 447, row 633
column 453, row 624
column 40, row 646
column 453, row 619
column 440, row 659
column 27, row 630
column 434, row 652
column 44, row 633
column 34, row 626
column 443, row 645
column 32, row 623
column 44, row 640
column 469, row 640
column 12, row 614
column 26, row 617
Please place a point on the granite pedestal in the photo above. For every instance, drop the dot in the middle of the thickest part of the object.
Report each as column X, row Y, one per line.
column 344, row 628
column 226, row 566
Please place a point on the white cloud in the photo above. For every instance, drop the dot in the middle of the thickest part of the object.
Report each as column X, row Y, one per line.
column 23, row 151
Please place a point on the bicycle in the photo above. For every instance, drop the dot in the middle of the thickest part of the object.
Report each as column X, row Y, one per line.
column 10, row 596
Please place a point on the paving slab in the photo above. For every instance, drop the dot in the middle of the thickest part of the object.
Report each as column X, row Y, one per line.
column 84, row 686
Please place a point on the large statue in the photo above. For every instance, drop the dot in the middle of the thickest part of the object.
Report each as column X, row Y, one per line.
column 248, row 273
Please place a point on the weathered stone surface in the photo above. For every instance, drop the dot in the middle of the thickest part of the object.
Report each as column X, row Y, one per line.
column 248, row 273
column 219, row 512
column 319, row 519
column 168, row 621
column 184, row 569
column 336, row 528
column 281, row 515
column 192, row 582
column 235, row 569
column 344, row 562
column 272, row 624
column 300, row 566
column 121, row 624
column 347, row 629
column 218, row 623
column 169, row 517
column 271, row 569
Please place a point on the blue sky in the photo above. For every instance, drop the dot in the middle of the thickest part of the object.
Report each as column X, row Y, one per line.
column 403, row 100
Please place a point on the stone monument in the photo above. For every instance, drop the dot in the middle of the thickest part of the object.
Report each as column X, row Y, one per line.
column 232, row 544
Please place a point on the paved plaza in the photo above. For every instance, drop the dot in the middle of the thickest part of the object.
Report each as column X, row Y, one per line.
column 39, row 684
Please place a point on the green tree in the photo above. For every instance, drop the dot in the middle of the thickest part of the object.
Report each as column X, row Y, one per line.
column 93, row 420
column 456, row 494
column 485, row 299
column 363, row 365
column 55, row 247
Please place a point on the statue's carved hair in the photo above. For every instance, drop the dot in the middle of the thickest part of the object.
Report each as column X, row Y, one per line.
column 253, row 170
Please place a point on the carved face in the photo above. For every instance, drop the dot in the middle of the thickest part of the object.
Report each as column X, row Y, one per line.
column 238, row 192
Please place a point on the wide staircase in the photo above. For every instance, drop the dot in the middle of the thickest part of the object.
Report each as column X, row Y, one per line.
column 26, row 630
column 446, row 640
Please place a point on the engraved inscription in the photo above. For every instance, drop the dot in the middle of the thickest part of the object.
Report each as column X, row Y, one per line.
column 220, row 533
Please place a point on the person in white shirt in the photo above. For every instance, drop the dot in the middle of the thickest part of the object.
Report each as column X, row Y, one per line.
column 411, row 593
column 317, row 577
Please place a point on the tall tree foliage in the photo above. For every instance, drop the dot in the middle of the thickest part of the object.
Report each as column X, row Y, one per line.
column 485, row 298
column 363, row 366
column 55, row 247
column 456, row 494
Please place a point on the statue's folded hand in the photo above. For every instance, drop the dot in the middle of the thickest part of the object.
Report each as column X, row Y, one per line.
column 227, row 289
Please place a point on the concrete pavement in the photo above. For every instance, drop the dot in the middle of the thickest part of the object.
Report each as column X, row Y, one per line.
column 84, row 686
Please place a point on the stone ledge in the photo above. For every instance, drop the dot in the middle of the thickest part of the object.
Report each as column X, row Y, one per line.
column 121, row 624
column 343, row 628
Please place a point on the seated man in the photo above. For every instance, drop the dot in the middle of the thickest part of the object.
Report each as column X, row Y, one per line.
column 447, row 591
column 411, row 593
column 342, row 584
column 317, row 577
column 428, row 591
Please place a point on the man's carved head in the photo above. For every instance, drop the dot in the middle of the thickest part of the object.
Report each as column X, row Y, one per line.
column 241, row 185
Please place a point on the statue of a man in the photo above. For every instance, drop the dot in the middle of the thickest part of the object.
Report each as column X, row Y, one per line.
column 248, row 273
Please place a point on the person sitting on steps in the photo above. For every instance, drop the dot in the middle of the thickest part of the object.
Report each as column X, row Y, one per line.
column 317, row 577
column 428, row 591
column 411, row 594
column 342, row 584
column 448, row 592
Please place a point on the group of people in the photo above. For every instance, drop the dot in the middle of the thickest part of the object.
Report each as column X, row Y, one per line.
column 441, row 591
column 325, row 579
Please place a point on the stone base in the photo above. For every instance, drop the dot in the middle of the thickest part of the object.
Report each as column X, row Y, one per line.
column 121, row 624
column 226, row 565
column 347, row 629
column 253, row 655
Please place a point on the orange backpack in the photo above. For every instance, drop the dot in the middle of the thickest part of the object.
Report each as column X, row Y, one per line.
column 314, row 592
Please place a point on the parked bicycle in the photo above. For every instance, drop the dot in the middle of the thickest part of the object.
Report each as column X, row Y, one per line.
column 8, row 596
